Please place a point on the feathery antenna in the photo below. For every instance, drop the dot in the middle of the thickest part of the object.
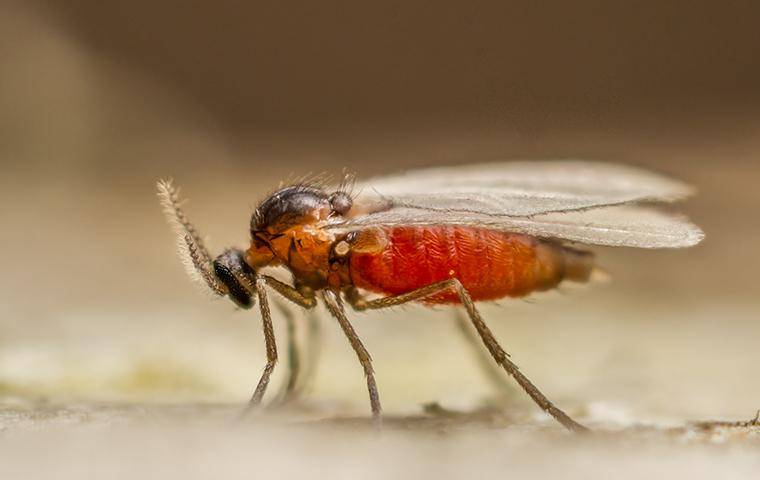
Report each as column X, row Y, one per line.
column 190, row 245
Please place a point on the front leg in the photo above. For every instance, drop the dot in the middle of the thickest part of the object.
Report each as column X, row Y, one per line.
column 271, row 345
column 305, row 299
column 259, row 284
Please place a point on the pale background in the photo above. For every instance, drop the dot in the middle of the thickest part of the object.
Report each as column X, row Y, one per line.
column 100, row 99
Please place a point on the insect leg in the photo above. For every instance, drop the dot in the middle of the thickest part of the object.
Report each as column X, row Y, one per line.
column 307, row 352
column 497, row 352
column 335, row 306
column 259, row 284
column 288, row 391
column 271, row 345
column 290, row 293
column 313, row 342
column 494, row 376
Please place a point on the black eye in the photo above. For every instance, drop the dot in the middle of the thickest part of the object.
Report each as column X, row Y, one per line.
column 225, row 266
column 340, row 202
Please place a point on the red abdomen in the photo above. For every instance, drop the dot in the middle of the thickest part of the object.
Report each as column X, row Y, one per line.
column 490, row 264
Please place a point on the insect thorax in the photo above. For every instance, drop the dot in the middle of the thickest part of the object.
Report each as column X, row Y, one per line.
column 287, row 229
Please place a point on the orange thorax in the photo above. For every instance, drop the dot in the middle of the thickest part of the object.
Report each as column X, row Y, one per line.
column 304, row 249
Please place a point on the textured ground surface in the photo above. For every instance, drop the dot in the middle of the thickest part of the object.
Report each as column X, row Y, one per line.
column 193, row 441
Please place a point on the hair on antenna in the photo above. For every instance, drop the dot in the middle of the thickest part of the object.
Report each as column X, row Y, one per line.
column 190, row 246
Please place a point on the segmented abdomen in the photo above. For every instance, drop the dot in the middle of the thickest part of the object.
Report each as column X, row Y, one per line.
column 490, row 264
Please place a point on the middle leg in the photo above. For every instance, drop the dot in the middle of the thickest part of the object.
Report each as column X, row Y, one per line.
column 335, row 306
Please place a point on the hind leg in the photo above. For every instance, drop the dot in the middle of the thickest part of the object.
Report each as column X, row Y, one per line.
column 494, row 348
column 501, row 386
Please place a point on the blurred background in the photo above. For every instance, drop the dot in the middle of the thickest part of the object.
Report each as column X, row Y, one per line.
column 100, row 99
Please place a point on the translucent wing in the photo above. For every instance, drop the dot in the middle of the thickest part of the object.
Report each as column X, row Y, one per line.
column 522, row 188
column 619, row 226
column 577, row 201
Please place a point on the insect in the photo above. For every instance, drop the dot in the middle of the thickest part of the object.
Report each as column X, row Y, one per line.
column 450, row 235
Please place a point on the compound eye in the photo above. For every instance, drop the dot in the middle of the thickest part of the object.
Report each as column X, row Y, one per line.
column 340, row 202
column 229, row 267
